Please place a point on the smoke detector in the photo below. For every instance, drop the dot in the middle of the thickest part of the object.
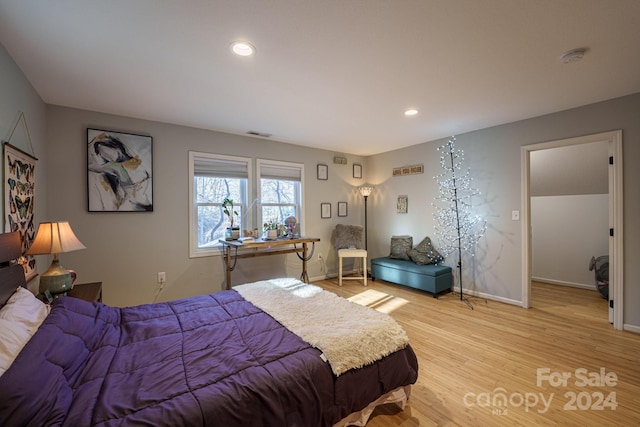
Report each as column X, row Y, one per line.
column 573, row 55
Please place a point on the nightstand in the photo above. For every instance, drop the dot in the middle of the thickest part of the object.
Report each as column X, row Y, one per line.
column 91, row 292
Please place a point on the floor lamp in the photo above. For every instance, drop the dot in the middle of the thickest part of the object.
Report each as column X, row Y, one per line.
column 365, row 190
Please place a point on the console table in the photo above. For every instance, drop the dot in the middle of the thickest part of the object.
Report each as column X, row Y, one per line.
column 235, row 249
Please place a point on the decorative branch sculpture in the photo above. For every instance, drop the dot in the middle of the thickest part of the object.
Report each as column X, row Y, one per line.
column 457, row 228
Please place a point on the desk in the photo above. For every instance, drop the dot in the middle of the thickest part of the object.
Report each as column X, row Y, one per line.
column 260, row 247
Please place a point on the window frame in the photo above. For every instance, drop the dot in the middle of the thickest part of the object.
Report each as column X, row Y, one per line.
column 300, row 196
column 194, row 250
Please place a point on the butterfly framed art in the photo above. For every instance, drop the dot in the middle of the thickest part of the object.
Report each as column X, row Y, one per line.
column 19, row 197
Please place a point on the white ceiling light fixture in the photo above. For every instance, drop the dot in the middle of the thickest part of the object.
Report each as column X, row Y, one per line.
column 573, row 55
column 242, row 48
column 411, row 112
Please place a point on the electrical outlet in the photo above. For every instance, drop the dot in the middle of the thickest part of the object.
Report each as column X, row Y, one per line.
column 162, row 277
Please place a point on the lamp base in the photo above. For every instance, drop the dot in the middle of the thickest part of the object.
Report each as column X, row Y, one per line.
column 56, row 279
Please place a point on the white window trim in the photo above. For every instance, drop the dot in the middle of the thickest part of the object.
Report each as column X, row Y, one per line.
column 259, row 163
column 194, row 250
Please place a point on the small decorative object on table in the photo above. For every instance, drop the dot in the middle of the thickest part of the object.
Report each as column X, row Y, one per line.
column 271, row 229
column 290, row 225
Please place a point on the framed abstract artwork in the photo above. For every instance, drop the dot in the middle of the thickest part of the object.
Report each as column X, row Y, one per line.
column 119, row 172
column 19, row 192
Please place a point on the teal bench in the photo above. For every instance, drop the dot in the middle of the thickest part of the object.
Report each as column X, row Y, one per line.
column 431, row 278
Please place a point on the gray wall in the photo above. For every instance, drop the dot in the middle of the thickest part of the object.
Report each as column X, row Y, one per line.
column 569, row 212
column 494, row 156
column 566, row 231
column 126, row 250
column 17, row 95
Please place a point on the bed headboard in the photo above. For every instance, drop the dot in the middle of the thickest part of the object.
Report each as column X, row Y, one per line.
column 11, row 274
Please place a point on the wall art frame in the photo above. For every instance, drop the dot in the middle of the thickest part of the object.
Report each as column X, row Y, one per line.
column 408, row 170
column 357, row 170
column 403, row 204
column 19, row 200
column 325, row 210
column 342, row 209
column 119, row 171
column 323, row 172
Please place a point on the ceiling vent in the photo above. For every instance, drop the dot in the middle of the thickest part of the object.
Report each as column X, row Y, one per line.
column 261, row 134
column 573, row 55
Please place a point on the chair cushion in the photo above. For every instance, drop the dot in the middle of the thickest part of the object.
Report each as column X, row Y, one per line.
column 352, row 253
column 400, row 246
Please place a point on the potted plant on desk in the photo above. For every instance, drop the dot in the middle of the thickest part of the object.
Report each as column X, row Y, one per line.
column 271, row 230
column 233, row 232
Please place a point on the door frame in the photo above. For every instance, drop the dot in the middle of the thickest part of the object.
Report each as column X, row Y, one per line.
column 616, row 248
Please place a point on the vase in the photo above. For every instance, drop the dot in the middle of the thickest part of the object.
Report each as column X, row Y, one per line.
column 272, row 234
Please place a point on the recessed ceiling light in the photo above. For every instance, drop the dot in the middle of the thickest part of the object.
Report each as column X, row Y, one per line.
column 411, row 112
column 573, row 55
column 242, row 48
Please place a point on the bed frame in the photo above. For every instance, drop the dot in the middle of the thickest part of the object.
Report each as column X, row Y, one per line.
column 11, row 273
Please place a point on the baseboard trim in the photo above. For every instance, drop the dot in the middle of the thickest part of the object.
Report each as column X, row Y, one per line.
column 491, row 297
column 631, row 328
column 563, row 283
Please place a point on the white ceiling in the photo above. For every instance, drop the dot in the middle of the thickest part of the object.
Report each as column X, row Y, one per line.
column 332, row 74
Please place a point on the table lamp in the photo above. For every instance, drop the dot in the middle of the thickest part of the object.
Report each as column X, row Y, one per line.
column 55, row 238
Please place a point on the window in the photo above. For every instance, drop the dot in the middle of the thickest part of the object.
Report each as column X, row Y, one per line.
column 280, row 191
column 212, row 178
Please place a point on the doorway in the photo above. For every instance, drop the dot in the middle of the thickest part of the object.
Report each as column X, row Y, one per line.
column 614, row 141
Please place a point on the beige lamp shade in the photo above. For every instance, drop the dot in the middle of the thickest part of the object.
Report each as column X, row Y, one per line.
column 55, row 238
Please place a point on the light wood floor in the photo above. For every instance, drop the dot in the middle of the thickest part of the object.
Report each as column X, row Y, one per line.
column 469, row 357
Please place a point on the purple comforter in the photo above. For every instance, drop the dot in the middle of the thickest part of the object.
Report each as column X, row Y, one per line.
column 210, row 360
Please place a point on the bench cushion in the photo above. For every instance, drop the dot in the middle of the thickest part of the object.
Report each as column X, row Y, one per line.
column 431, row 278
column 427, row 269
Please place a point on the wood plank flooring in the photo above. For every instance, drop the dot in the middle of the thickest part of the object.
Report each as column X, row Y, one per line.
column 471, row 358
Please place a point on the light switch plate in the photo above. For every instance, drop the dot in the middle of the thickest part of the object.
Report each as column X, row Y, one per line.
column 515, row 215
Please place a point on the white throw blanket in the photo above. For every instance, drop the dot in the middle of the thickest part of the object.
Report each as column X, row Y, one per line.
column 349, row 335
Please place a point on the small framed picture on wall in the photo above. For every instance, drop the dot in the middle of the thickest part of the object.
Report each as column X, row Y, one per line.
column 342, row 208
column 403, row 202
column 325, row 210
column 357, row 170
column 323, row 172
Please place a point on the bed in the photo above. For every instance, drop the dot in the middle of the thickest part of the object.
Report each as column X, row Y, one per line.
column 222, row 359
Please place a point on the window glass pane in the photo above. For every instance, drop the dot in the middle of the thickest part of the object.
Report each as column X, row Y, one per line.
column 209, row 221
column 277, row 191
column 210, row 192
column 278, row 214
column 215, row 190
